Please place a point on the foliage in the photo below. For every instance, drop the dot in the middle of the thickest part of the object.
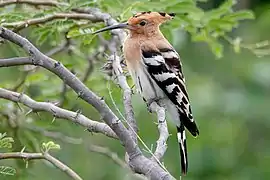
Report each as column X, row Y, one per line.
column 4, row 170
column 6, row 142
column 204, row 26
column 230, row 97
column 46, row 147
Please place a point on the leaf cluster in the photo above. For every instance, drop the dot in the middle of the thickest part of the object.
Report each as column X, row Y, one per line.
column 208, row 26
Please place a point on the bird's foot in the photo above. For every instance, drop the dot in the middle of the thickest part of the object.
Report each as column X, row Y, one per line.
column 150, row 101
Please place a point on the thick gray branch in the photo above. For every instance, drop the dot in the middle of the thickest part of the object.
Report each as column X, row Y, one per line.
column 46, row 156
column 78, row 118
column 116, row 66
column 138, row 162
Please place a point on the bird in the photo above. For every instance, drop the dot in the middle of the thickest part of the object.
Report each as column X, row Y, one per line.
column 156, row 71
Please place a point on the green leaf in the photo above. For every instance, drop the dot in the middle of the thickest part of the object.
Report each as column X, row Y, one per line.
column 9, row 171
column 43, row 36
column 128, row 11
column 202, row 36
column 5, row 142
column 14, row 16
column 79, row 32
column 50, row 145
column 240, row 15
column 227, row 5
column 88, row 39
column 37, row 77
column 216, row 48
column 221, row 24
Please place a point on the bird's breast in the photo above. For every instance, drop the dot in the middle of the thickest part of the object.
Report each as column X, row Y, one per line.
column 144, row 83
column 132, row 53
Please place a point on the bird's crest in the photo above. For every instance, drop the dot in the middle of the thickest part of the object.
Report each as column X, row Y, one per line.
column 151, row 17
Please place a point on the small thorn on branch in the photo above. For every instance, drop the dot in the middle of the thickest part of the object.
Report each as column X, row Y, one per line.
column 57, row 64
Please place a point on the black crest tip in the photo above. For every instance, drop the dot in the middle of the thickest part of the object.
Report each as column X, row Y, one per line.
column 162, row 13
column 172, row 14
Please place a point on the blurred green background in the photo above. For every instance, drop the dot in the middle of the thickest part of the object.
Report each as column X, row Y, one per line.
column 229, row 95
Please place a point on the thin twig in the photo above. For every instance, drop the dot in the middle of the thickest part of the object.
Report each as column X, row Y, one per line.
column 46, row 156
column 21, row 81
column 90, row 66
column 19, row 25
column 54, row 135
column 32, row 2
column 107, row 152
column 62, row 47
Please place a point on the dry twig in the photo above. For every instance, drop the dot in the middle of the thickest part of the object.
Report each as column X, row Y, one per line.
column 32, row 2
column 46, row 156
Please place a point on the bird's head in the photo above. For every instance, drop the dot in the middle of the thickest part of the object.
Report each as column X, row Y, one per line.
column 142, row 23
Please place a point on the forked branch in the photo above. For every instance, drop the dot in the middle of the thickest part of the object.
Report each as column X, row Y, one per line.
column 137, row 161
column 46, row 156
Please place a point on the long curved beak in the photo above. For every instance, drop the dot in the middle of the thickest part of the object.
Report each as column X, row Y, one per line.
column 117, row 26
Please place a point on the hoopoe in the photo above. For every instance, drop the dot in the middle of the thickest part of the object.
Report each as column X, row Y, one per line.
column 156, row 70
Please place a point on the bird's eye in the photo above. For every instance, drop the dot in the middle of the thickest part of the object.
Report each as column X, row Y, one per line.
column 142, row 23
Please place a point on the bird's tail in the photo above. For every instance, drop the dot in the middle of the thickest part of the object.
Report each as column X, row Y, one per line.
column 181, row 136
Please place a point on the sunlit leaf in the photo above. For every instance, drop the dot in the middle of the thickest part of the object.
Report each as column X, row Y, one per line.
column 216, row 48
column 240, row 15
column 5, row 142
column 49, row 146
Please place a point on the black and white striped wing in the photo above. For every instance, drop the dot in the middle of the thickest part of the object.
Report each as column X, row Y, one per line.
column 165, row 68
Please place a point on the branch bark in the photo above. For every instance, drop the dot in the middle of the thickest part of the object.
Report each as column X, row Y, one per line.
column 19, row 25
column 55, row 135
column 163, row 131
column 46, row 156
column 137, row 160
column 78, row 118
column 127, row 95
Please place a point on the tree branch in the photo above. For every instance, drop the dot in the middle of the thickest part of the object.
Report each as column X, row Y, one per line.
column 46, row 156
column 163, row 131
column 55, row 135
column 32, row 2
column 107, row 152
column 137, row 160
column 19, row 25
column 127, row 95
column 108, row 20
column 115, row 60
column 93, row 126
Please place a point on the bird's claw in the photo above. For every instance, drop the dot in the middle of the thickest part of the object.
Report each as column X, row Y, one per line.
column 150, row 101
